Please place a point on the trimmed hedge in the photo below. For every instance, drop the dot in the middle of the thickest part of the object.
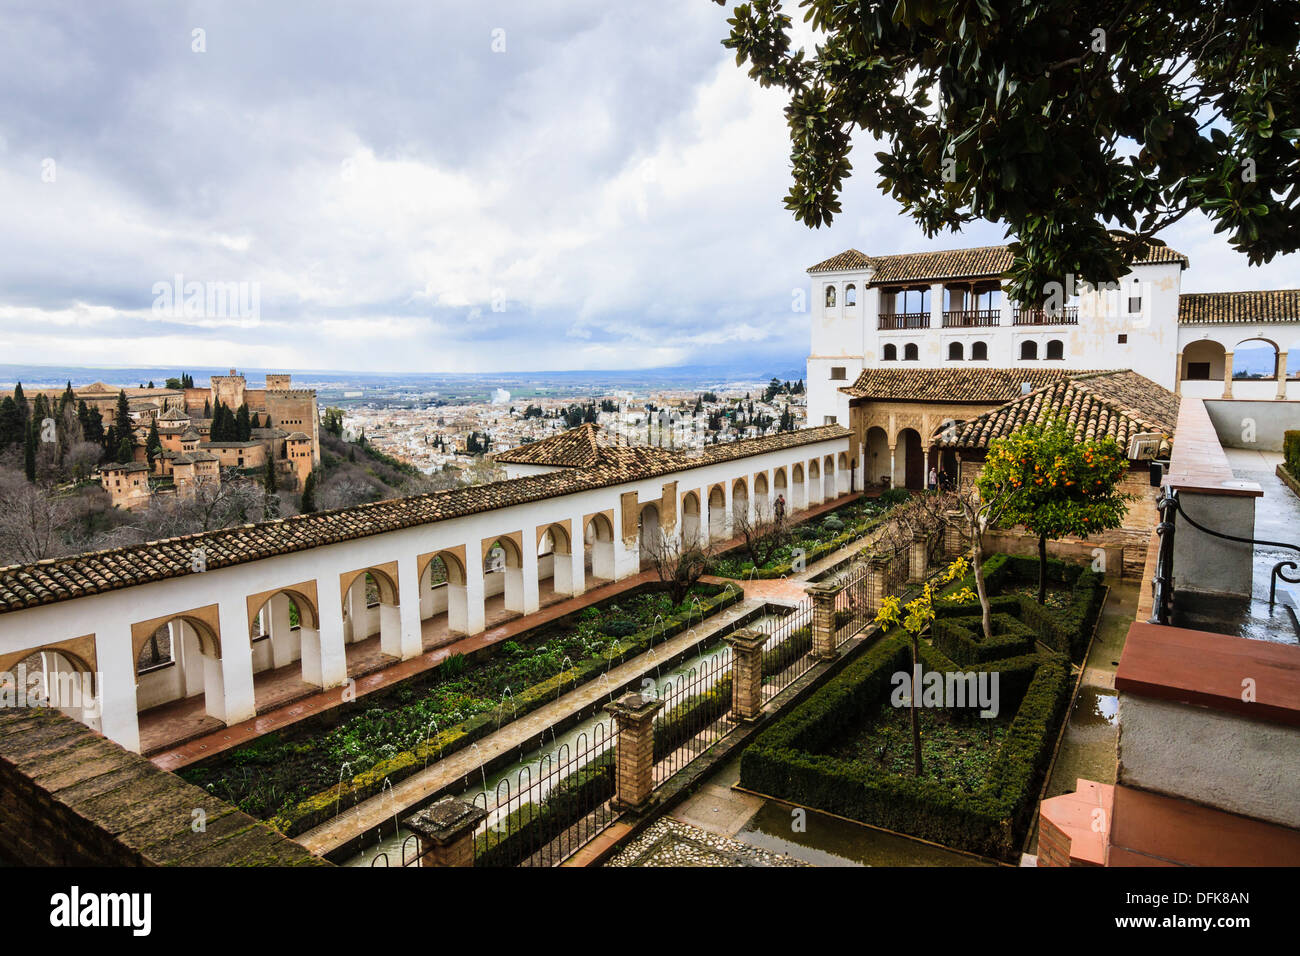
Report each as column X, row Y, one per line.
column 786, row 760
column 320, row 807
column 962, row 638
column 818, row 551
column 1291, row 452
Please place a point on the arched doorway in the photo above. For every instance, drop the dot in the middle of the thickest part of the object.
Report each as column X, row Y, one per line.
column 54, row 677
column 370, row 609
column 798, row 488
column 285, row 630
column 598, row 546
column 188, row 666
column 828, row 477
column 717, row 514
column 762, row 500
column 877, row 456
column 444, row 599
column 908, row 448
column 649, row 535
column 814, row 483
column 691, row 532
column 503, row 573
column 843, row 475
column 739, row 503
column 781, row 493
column 555, row 564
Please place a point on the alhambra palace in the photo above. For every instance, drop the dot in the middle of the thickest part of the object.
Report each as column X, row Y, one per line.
column 289, row 436
column 918, row 362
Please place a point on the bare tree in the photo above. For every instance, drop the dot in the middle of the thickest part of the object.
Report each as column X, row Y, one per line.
column 33, row 519
column 679, row 562
column 980, row 515
column 763, row 533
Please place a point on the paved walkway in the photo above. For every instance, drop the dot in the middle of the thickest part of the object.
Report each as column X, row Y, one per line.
column 180, row 733
column 511, row 738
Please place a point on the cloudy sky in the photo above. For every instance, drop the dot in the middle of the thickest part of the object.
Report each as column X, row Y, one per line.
column 434, row 186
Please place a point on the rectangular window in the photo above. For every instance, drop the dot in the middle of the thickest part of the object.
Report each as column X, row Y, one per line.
column 837, row 373
column 1123, row 338
column 1134, row 304
column 829, row 419
column 1198, row 371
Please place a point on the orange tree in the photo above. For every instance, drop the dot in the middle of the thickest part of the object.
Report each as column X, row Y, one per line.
column 1060, row 486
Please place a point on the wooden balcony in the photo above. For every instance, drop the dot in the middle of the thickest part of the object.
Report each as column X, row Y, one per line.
column 972, row 318
column 904, row 320
column 1068, row 315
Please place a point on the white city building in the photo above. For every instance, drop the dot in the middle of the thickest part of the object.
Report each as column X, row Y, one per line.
column 947, row 310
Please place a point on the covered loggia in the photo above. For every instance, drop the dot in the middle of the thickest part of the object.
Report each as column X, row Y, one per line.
column 503, row 574
column 717, row 514
column 444, row 601
column 814, row 483
column 828, row 478
column 598, row 547
column 1254, row 359
column 781, row 491
column 187, row 667
column 285, row 630
column 371, row 607
column 877, row 456
column 55, row 675
column 692, row 533
column 739, row 502
column 798, row 488
column 843, row 475
column 1203, row 361
column 762, row 497
column 555, row 564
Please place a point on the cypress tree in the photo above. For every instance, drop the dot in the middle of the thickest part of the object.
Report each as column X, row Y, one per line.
column 271, row 483
column 67, row 398
column 11, row 423
column 123, row 418
column 29, row 452
column 125, row 451
column 21, row 401
column 207, row 408
column 94, row 430
column 153, row 444
column 308, row 504
column 243, row 425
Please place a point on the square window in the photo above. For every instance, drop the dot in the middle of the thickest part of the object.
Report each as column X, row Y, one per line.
column 1198, row 371
column 1123, row 338
column 838, row 373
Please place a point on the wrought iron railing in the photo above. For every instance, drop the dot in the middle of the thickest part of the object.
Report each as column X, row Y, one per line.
column 1066, row 315
column 1170, row 506
column 971, row 318
column 904, row 320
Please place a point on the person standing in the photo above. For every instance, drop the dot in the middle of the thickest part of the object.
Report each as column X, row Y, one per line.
column 934, row 478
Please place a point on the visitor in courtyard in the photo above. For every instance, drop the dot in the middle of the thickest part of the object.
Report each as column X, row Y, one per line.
column 780, row 507
column 934, row 478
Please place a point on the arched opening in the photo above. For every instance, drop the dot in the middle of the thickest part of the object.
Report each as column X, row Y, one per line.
column 739, row 501
column 187, row 685
column 830, row 297
column 1055, row 350
column 979, row 352
column 911, row 353
column 911, row 463
column 1028, row 350
column 843, row 475
column 285, row 633
column 781, row 504
column 555, row 570
column 650, row 535
column 798, row 488
column 444, row 600
column 598, row 548
column 53, row 677
column 891, row 353
column 1203, row 361
column 828, row 478
column 762, row 500
column 955, row 352
column 850, row 294
column 503, row 573
column 691, row 530
column 370, row 609
column 717, row 514
column 877, row 456
column 814, row 483
column 1254, row 360
column 1293, row 361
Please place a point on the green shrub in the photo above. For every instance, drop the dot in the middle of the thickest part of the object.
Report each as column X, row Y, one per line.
column 894, row 496
column 1291, row 452
column 962, row 638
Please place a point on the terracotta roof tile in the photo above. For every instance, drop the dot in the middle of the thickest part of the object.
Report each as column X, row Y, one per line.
column 575, row 448
column 66, row 578
column 975, row 385
column 1120, row 404
column 1216, row 308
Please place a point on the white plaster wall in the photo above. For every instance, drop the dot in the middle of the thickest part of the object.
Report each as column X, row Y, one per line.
column 1210, row 757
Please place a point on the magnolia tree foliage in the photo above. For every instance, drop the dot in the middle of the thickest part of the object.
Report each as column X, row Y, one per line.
column 1062, row 120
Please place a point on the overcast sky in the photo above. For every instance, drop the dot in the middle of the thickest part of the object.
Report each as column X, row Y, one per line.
column 601, row 190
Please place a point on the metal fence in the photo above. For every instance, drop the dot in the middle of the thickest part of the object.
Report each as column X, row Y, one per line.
column 694, row 716
column 787, row 652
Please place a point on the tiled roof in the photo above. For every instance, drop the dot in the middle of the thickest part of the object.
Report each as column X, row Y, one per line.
column 1120, row 404
column 1217, row 308
column 62, row 579
column 229, row 444
column 129, row 466
column 977, row 385
column 173, row 415
column 978, row 262
column 297, row 436
column 575, row 448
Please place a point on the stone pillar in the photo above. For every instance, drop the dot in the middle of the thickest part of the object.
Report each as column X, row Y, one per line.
column 283, row 651
column 475, row 599
column 531, row 596
column 236, row 663
column 1227, row 374
column 917, row 557
column 446, row 832
column 1281, row 374
column 893, row 479
column 936, row 305
column 956, row 542
column 823, row 620
column 1178, row 374
column 746, row 673
column 877, row 584
column 577, row 555
column 634, row 782
column 326, row 663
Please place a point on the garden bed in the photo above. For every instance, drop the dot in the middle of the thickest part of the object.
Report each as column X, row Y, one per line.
column 848, row 751
column 815, row 538
column 296, row 778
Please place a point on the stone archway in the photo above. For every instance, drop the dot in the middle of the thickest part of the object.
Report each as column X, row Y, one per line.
column 598, row 546
column 692, row 532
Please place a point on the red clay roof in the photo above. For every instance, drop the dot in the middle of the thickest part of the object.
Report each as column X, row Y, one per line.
column 975, row 385
column 1238, row 308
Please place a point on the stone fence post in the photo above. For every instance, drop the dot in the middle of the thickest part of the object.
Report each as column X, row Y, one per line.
column 823, row 620
column 878, row 582
column 956, row 540
column 446, row 832
column 746, row 673
column 917, row 557
column 634, row 770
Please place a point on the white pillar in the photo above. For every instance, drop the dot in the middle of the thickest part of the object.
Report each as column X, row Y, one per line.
column 409, row 609
column 325, row 660
column 577, row 558
column 236, row 663
column 529, row 593
column 189, row 659
column 936, row 306
column 358, row 619
column 475, row 610
column 893, row 470
column 118, row 718
column 283, row 638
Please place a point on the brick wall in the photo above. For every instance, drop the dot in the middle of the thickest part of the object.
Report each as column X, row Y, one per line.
column 70, row 797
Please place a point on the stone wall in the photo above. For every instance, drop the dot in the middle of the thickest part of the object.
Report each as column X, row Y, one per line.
column 70, row 797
